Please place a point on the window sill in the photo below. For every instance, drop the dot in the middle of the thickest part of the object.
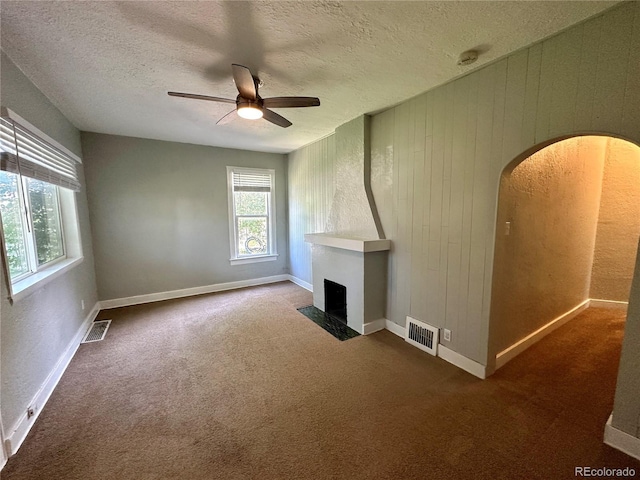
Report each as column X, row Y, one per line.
column 256, row 259
column 27, row 286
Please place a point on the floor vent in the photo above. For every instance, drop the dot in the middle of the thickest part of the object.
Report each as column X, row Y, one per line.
column 421, row 335
column 97, row 331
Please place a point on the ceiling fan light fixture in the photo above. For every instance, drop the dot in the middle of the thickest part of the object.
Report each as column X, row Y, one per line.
column 249, row 104
column 250, row 112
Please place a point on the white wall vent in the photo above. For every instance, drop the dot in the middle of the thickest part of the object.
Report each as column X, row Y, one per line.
column 421, row 335
column 97, row 331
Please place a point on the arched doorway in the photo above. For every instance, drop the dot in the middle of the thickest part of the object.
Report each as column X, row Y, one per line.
column 567, row 231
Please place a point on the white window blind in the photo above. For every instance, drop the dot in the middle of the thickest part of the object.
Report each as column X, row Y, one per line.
column 25, row 153
column 251, row 182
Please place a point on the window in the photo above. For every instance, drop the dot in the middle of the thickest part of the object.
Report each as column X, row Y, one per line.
column 34, row 240
column 40, row 232
column 251, row 214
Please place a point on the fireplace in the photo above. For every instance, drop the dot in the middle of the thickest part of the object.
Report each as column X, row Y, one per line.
column 352, row 250
column 358, row 272
column 335, row 300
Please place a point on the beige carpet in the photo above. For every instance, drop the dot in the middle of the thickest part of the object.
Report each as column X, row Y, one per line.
column 239, row 385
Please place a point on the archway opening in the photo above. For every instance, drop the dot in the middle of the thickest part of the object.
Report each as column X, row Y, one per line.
column 567, row 233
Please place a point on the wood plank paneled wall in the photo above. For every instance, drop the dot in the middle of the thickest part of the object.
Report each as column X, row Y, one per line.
column 437, row 161
column 312, row 181
column 438, row 158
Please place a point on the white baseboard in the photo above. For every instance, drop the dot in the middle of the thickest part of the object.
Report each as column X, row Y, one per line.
column 19, row 432
column 374, row 326
column 517, row 348
column 4, row 456
column 188, row 292
column 621, row 440
column 394, row 328
column 612, row 304
column 302, row 283
column 460, row 361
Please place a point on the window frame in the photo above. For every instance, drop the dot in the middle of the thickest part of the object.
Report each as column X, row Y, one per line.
column 272, row 253
column 28, row 232
column 39, row 275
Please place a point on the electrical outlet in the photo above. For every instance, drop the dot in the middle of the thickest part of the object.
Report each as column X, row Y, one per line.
column 82, row 304
column 447, row 335
column 31, row 411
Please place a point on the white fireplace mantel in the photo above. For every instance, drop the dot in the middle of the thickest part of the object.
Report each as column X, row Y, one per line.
column 348, row 243
column 358, row 264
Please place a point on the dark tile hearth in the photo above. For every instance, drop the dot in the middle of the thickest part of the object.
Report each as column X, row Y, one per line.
column 331, row 324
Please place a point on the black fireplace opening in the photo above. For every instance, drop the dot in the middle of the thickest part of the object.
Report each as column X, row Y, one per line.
column 335, row 300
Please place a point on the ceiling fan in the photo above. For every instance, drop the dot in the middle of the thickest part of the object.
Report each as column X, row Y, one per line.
column 249, row 104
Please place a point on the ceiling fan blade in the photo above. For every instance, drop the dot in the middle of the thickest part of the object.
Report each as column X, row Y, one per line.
column 201, row 97
column 227, row 118
column 273, row 117
column 290, row 102
column 244, row 81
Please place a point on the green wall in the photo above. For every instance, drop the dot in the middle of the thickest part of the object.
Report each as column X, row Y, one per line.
column 36, row 330
column 159, row 214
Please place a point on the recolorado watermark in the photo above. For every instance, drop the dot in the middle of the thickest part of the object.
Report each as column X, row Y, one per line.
column 604, row 472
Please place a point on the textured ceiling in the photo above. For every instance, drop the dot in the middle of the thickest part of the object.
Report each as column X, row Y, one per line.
column 108, row 65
